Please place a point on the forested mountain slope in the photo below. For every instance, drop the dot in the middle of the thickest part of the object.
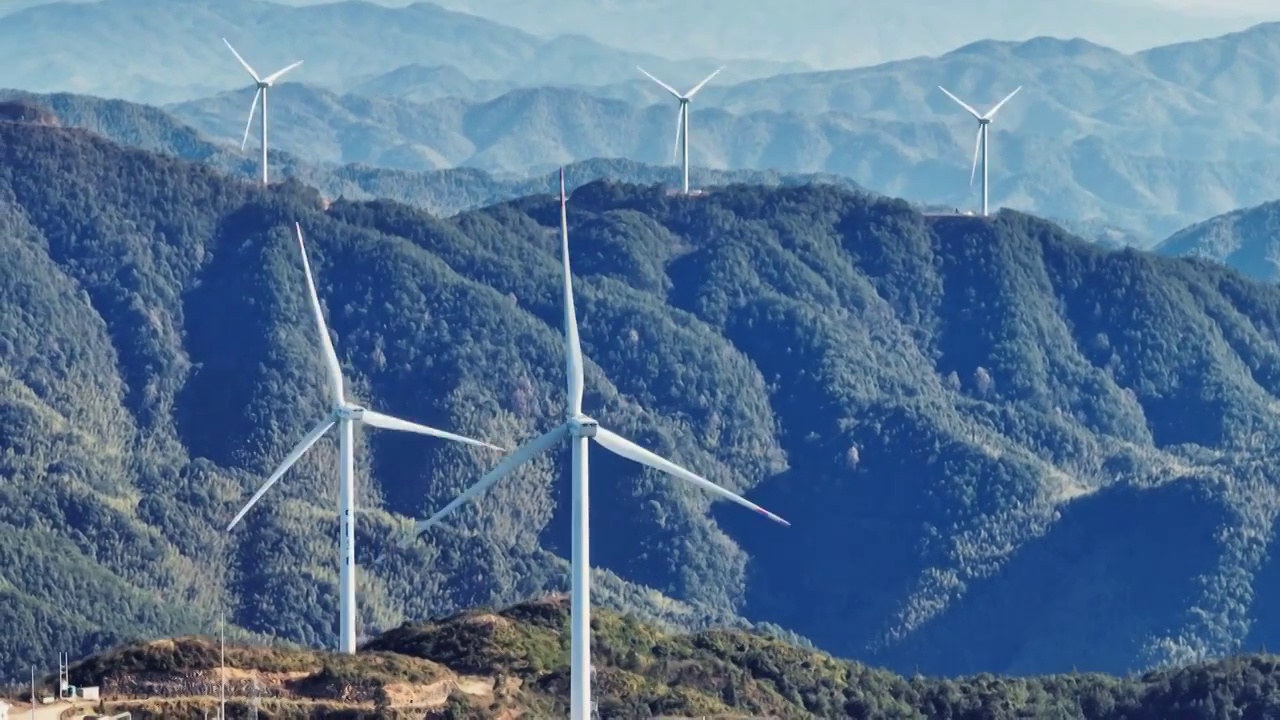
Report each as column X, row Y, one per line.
column 1001, row 448
column 1247, row 239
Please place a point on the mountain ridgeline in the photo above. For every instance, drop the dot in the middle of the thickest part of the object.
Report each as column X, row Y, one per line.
column 1001, row 448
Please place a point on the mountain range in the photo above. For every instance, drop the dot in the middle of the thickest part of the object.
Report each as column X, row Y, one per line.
column 1002, row 448
column 62, row 47
column 1147, row 142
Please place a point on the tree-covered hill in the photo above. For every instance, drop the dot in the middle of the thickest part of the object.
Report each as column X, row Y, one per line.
column 513, row 663
column 1001, row 448
column 1247, row 239
column 442, row 192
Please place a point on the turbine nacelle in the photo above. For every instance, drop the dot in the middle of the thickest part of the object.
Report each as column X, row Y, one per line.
column 347, row 411
column 583, row 426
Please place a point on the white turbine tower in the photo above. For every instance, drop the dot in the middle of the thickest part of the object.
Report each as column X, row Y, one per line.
column 681, row 150
column 983, row 140
column 344, row 414
column 262, row 84
column 578, row 428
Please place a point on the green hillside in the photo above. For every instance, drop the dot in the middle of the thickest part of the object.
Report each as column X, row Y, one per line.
column 512, row 663
column 1001, row 448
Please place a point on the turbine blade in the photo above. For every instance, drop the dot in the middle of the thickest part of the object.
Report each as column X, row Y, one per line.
column 621, row 446
column 977, row 147
column 387, row 422
column 675, row 151
column 284, row 466
column 509, row 463
column 330, row 356
column 279, row 73
column 962, row 103
column 242, row 61
column 665, row 86
column 992, row 112
column 253, row 108
column 689, row 95
column 572, row 347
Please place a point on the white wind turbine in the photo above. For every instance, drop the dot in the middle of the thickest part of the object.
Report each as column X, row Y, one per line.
column 262, row 84
column 578, row 428
column 983, row 139
column 344, row 414
column 682, row 121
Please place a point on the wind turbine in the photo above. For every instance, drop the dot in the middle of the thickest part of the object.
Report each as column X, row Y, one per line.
column 262, row 84
column 344, row 414
column 681, row 150
column 983, row 140
column 579, row 428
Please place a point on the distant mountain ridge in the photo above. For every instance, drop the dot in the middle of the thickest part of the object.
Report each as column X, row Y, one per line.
column 61, row 47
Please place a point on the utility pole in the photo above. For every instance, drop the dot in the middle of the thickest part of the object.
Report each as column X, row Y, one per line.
column 222, row 689
column 33, row 692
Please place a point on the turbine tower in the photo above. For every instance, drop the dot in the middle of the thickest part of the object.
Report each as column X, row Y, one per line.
column 983, row 140
column 681, row 149
column 578, row 428
column 344, row 414
column 262, row 84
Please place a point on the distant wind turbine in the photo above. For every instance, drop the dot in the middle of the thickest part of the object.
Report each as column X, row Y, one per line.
column 262, row 84
column 578, row 428
column 983, row 140
column 344, row 414
column 681, row 150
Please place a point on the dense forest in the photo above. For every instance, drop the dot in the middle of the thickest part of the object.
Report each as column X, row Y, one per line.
column 1001, row 448
column 483, row 665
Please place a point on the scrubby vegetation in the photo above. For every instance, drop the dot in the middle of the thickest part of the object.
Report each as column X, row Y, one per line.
column 488, row 664
column 1001, row 448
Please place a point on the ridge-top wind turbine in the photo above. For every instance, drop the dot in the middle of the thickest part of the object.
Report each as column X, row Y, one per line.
column 579, row 428
column 344, row 414
column 681, row 150
column 983, row 140
column 263, row 83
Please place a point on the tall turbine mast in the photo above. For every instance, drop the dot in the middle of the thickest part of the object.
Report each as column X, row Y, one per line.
column 983, row 140
column 262, row 83
column 681, row 149
column 222, row 668
column 345, row 414
column 580, row 428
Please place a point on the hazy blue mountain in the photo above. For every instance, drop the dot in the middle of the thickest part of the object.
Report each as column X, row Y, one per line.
column 1090, row 179
column 831, row 33
column 171, row 50
column 1247, row 240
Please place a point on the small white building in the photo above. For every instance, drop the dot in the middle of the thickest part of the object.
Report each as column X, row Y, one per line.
column 4, row 710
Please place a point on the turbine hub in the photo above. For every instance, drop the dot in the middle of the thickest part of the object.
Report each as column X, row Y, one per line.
column 583, row 426
column 263, row 85
column 984, row 121
column 349, row 412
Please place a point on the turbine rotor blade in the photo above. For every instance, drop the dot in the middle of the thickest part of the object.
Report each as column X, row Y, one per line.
column 675, row 151
column 253, row 108
column 388, row 422
column 242, row 61
column 572, row 346
column 279, row 73
column 330, row 356
column 689, row 95
column 619, row 445
column 509, row 463
column 977, row 147
column 962, row 103
column 665, row 86
column 293, row 456
column 992, row 112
